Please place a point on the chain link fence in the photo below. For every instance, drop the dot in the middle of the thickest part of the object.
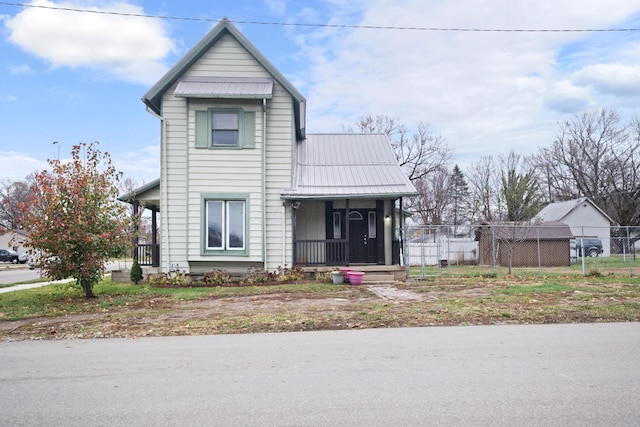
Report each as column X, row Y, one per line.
column 498, row 250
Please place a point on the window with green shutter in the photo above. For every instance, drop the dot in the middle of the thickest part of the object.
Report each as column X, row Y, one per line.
column 225, row 128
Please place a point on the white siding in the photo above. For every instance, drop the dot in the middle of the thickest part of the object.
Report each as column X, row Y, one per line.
column 191, row 172
column 585, row 220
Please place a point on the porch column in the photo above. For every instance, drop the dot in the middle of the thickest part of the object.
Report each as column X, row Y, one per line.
column 401, row 219
column 346, row 227
column 294, row 220
column 136, row 229
column 155, row 261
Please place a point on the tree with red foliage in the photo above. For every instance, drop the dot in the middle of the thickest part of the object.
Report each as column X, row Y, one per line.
column 76, row 223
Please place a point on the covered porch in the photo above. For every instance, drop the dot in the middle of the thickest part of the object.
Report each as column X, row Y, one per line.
column 146, row 246
column 347, row 232
column 347, row 201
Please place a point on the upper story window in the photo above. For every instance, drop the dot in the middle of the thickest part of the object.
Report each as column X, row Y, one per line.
column 225, row 130
column 229, row 128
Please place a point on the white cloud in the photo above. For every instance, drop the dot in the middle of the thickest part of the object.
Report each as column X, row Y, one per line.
column 132, row 48
column 20, row 69
column 9, row 98
column 617, row 79
column 277, row 7
column 142, row 165
column 567, row 98
column 485, row 92
column 13, row 165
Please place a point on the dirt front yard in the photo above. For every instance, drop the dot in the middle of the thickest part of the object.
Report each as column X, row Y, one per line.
column 468, row 301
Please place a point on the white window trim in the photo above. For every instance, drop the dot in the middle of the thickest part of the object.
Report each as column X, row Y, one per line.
column 225, row 249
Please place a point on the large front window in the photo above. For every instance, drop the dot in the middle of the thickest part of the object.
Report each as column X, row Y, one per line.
column 225, row 224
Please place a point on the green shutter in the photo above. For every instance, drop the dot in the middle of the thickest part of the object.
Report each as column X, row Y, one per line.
column 249, row 135
column 202, row 129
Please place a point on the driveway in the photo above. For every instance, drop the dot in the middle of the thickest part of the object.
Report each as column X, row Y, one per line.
column 533, row 375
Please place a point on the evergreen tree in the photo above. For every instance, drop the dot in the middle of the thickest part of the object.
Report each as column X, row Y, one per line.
column 136, row 272
column 460, row 200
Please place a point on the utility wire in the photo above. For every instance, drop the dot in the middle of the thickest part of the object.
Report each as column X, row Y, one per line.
column 298, row 24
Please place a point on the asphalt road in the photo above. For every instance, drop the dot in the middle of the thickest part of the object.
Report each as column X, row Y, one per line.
column 17, row 273
column 544, row 375
column 20, row 273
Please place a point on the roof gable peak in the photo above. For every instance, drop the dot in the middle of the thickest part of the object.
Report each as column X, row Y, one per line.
column 153, row 98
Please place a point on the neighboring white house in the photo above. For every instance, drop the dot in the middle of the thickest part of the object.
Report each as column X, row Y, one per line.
column 583, row 217
column 241, row 184
column 10, row 239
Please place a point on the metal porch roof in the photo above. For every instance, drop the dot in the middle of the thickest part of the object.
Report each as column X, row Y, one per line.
column 348, row 166
column 225, row 87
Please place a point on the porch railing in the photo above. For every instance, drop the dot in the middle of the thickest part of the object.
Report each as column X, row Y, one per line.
column 321, row 252
column 148, row 254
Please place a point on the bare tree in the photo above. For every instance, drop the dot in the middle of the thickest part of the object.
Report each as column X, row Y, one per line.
column 418, row 153
column 14, row 202
column 483, row 186
column 595, row 155
column 434, row 197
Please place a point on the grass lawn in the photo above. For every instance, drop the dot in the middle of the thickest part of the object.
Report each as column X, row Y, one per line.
column 127, row 310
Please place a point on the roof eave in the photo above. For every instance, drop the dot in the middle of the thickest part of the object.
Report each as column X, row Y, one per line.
column 225, row 96
column 293, row 196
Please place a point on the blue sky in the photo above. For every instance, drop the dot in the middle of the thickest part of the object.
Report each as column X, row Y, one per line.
column 72, row 77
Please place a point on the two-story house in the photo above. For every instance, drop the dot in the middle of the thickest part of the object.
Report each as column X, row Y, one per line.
column 241, row 183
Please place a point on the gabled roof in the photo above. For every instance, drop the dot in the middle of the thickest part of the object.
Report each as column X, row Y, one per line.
column 348, row 166
column 557, row 211
column 153, row 98
column 20, row 232
column 147, row 194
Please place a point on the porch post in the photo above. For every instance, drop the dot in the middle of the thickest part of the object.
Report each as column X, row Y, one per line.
column 401, row 219
column 294, row 219
column 346, row 227
column 136, row 229
column 155, row 261
column 380, row 232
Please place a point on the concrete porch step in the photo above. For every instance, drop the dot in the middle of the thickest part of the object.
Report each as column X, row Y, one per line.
column 377, row 279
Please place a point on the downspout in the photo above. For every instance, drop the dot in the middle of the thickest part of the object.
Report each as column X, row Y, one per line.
column 164, row 219
column 264, row 183
column 187, row 268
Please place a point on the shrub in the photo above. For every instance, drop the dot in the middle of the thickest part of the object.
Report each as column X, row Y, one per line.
column 217, row 277
column 136, row 272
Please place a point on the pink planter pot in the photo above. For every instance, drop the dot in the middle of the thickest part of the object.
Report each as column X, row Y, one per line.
column 346, row 272
column 355, row 277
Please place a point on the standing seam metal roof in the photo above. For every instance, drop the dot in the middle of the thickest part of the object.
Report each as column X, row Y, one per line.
column 225, row 87
column 348, row 165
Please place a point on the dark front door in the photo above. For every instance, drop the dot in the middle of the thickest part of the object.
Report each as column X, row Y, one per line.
column 362, row 236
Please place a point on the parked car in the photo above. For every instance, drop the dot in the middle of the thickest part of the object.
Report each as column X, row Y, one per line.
column 592, row 247
column 8, row 255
